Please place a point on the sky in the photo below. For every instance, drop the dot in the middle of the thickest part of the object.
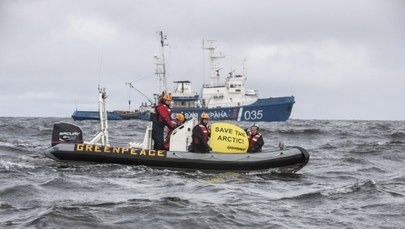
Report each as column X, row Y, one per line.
column 341, row 59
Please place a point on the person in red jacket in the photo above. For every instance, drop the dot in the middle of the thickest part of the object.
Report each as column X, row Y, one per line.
column 201, row 135
column 163, row 118
column 180, row 119
column 255, row 139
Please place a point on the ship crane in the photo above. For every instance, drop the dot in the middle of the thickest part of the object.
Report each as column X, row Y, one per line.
column 131, row 86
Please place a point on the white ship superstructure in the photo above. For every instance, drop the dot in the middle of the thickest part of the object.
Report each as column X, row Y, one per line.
column 214, row 95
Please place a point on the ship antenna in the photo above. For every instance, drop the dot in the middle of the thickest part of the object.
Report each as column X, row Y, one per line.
column 129, row 98
column 213, row 56
column 203, row 61
column 162, row 43
column 244, row 67
column 161, row 68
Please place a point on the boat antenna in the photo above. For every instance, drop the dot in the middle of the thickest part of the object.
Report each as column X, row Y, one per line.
column 102, row 136
column 99, row 71
column 131, row 86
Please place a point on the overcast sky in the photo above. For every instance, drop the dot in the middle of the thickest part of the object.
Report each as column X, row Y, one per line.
column 340, row 59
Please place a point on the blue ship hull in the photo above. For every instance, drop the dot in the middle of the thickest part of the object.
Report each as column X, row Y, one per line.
column 93, row 115
column 265, row 110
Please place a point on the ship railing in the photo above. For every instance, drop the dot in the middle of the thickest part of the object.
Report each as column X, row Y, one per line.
column 213, row 86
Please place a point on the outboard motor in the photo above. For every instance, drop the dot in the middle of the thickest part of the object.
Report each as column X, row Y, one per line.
column 66, row 133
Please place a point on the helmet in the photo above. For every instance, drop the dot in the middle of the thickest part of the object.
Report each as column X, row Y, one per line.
column 180, row 117
column 255, row 125
column 204, row 115
column 167, row 97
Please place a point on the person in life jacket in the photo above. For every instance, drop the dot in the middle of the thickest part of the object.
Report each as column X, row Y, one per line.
column 162, row 119
column 180, row 119
column 201, row 135
column 255, row 139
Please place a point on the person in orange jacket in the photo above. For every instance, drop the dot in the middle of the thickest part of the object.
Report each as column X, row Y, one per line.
column 201, row 135
column 180, row 119
column 255, row 139
column 163, row 118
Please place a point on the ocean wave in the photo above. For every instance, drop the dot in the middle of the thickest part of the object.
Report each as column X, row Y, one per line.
column 373, row 169
column 397, row 135
column 174, row 200
column 366, row 184
column 354, row 160
column 392, row 189
column 18, row 146
column 4, row 205
column 328, row 146
column 349, row 189
column 366, row 149
column 396, row 142
column 378, row 126
column 14, row 166
column 20, row 195
column 300, row 131
column 57, row 216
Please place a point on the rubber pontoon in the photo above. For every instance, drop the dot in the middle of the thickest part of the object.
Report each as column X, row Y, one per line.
column 290, row 159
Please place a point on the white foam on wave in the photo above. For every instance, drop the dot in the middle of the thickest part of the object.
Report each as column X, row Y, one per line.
column 10, row 165
column 347, row 189
column 6, row 144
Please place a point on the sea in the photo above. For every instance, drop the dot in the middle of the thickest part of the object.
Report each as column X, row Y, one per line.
column 355, row 178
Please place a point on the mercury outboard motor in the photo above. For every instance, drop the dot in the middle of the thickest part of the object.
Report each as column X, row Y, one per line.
column 66, row 133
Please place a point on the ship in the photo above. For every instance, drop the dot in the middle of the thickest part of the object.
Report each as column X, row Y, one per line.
column 111, row 115
column 227, row 102
column 221, row 101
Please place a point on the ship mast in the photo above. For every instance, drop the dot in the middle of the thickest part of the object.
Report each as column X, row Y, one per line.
column 161, row 67
column 214, row 56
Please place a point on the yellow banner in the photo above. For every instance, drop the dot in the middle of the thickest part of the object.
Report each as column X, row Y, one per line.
column 228, row 138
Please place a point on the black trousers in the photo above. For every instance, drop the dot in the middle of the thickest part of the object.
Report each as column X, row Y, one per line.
column 158, row 135
column 198, row 148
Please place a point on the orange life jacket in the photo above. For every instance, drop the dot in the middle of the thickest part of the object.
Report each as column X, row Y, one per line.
column 205, row 134
column 253, row 139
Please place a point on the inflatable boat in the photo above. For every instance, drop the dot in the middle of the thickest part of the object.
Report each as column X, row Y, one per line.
column 228, row 143
column 287, row 160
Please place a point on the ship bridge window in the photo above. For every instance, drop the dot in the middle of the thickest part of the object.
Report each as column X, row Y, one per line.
column 232, row 86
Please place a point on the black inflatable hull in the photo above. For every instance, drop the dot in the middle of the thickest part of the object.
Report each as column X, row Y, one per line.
column 290, row 159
